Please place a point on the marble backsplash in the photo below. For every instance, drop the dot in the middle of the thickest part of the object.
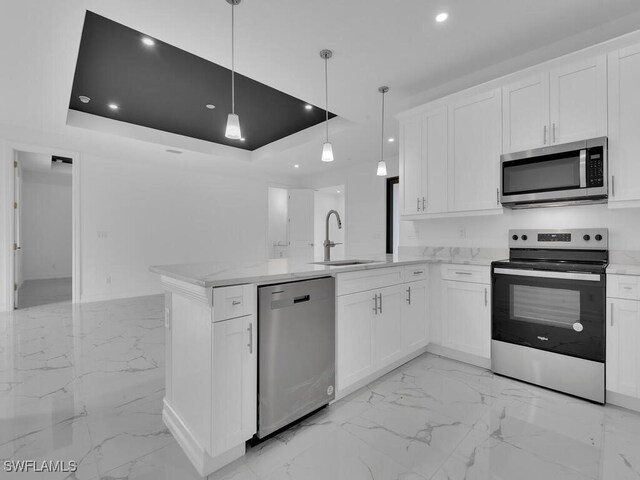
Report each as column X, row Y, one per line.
column 624, row 257
column 456, row 253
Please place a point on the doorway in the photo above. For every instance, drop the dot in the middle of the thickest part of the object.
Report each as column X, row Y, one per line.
column 393, row 214
column 42, row 228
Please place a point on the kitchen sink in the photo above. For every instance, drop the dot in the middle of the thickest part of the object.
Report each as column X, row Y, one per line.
column 341, row 263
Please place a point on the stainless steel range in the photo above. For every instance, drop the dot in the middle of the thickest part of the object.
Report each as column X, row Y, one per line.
column 549, row 310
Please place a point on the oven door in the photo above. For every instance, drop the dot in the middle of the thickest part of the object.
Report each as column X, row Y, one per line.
column 560, row 312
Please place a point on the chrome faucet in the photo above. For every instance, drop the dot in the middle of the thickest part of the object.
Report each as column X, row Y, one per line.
column 328, row 244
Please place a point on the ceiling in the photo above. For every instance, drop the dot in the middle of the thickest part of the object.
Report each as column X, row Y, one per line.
column 163, row 87
column 375, row 42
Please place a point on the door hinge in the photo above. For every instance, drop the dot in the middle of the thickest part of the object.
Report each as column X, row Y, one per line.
column 15, row 247
column 15, row 164
column 15, row 287
column 15, row 205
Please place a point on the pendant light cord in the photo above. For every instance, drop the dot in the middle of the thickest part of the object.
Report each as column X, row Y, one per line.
column 326, row 97
column 382, row 131
column 233, row 89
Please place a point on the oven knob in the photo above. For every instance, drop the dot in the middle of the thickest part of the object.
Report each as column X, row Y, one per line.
column 598, row 237
column 524, row 237
column 515, row 237
column 587, row 238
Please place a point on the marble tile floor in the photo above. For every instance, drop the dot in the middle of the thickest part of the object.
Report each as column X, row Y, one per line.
column 85, row 383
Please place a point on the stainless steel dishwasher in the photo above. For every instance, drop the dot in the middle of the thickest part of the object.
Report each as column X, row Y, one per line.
column 296, row 351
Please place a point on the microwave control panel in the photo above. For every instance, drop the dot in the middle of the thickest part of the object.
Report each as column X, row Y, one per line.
column 595, row 167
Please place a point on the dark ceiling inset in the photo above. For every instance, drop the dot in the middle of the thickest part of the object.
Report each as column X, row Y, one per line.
column 165, row 88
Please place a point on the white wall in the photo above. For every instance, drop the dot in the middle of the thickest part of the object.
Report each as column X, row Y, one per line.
column 365, row 204
column 277, row 222
column 491, row 231
column 46, row 225
column 323, row 201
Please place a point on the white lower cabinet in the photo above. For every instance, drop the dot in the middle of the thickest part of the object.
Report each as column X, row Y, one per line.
column 233, row 418
column 466, row 317
column 378, row 327
column 623, row 339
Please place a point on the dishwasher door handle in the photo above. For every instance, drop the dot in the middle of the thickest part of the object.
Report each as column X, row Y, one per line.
column 302, row 298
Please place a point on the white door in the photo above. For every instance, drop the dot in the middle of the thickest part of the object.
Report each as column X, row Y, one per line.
column 578, row 100
column 387, row 331
column 17, row 231
column 525, row 114
column 234, row 384
column 466, row 317
column 434, row 166
column 475, row 145
column 300, row 209
column 414, row 316
column 411, row 166
column 354, row 337
column 623, row 354
column 624, row 124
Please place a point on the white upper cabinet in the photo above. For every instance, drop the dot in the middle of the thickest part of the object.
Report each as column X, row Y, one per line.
column 624, row 125
column 411, row 166
column 578, row 100
column 475, row 145
column 525, row 114
column 434, row 164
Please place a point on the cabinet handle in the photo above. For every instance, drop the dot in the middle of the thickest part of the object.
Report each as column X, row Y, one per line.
column 418, row 204
column 409, row 295
column 497, row 196
column 485, row 296
column 554, row 133
column 544, row 135
column 423, row 202
column 375, row 304
column 380, row 303
column 613, row 186
column 612, row 314
column 464, row 273
column 418, row 272
column 250, row 344
column 236, row 302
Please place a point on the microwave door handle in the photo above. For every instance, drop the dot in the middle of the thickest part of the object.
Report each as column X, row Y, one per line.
column 590, row 277
column 583, row 168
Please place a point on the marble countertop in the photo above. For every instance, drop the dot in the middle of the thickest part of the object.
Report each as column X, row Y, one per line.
column 220, row 274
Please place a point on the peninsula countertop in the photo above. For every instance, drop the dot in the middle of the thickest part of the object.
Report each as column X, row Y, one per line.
column 221, row 274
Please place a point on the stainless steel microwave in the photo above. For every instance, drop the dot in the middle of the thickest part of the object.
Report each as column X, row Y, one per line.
column 566, row 174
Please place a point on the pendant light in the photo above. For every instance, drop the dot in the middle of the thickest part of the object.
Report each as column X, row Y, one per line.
column 233, row 121
column 382, row 166
column 327, row 150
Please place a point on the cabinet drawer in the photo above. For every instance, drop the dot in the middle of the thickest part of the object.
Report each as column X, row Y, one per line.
column 623, row 286
column 413, row 273
column 352, row 282
column 466, row 273
column 232, row 302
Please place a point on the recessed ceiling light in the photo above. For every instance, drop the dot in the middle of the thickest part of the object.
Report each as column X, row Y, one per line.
column 113, row 106
column 338, row 191
column 242, row 139
column 210, row 106
column 308, row 107
column 391, row 140
column 84, row 99
column 296, row 166
column 442, row 17
column 148, row 41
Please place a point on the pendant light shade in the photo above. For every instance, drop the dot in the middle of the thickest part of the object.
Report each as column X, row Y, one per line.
column 327, row 152
column 327, row 149
column 233, row 127
column 382, row 166
column 233, row 121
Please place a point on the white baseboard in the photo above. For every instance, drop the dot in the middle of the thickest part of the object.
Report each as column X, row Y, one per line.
column 104, row 296
column 459, row 356
column 47, row 276
column 201, row 460
column 624, row 401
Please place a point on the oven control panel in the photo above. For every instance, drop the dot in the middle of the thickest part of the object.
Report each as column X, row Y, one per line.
column 573, row 238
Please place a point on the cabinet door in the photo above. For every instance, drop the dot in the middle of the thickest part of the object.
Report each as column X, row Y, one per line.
column 466, row 319
column 624, row 124
column 434, row 166
column 411, row 166
column 525, row 114
column 414, row 316
column 623, row 354
column 234, row 384
column 475, row 144
column 578, row 100
column 354, row 337
column 387, row 330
